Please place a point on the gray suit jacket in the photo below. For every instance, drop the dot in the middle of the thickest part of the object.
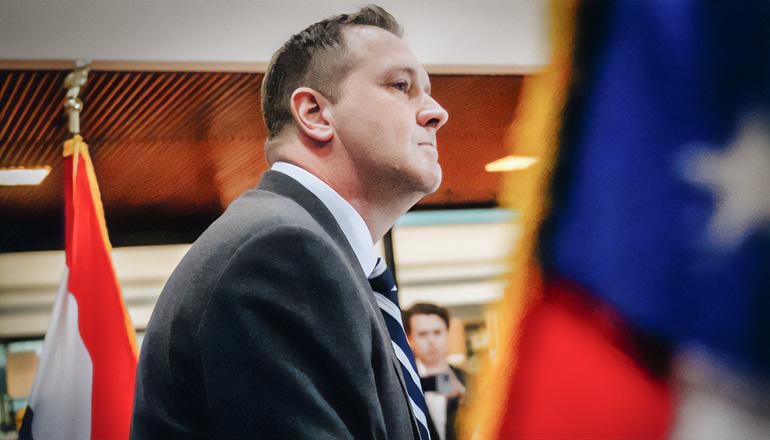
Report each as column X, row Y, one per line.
column 268, row 329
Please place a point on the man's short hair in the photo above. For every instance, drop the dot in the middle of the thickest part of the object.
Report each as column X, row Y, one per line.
column 423, row 309
column 317, row 58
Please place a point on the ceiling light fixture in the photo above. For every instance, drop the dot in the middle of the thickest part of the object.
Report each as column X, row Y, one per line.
column 510, row 163
column 15, row 176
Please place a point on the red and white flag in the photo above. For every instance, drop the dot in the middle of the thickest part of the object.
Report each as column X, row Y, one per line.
column 84, row 385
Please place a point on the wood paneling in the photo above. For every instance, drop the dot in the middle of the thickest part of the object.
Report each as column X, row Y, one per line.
column 172, row 149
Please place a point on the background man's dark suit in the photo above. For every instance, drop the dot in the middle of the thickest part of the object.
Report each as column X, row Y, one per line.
column 268, row 327
column 453, row 405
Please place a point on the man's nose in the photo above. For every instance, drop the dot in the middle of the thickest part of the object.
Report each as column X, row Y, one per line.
column 432, row 114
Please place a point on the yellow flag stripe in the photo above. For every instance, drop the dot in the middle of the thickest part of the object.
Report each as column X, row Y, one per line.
column 534, row 132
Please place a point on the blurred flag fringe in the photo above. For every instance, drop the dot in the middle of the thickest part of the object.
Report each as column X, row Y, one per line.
column 534, row 132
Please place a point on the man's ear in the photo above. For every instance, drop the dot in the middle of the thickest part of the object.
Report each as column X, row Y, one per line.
column 307, row 108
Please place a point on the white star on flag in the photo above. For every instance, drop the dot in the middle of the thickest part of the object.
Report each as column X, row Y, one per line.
column 739, row 178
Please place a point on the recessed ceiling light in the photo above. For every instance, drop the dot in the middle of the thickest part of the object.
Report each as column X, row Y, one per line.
column 15, row 176
column 510, row 163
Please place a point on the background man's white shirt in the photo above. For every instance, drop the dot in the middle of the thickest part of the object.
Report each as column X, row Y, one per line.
column 437, row 405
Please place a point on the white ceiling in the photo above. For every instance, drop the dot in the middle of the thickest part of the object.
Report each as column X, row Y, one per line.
column 501, row 36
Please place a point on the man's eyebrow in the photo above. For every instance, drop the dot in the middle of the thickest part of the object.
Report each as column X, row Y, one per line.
column 412, row 73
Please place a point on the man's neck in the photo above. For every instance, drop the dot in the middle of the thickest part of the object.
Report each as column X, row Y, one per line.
column 435, row 368
column 380, row 217
column 378, row 207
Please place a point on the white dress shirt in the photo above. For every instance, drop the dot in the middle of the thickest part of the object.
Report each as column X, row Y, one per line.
column 437, row 404
column 349, row 220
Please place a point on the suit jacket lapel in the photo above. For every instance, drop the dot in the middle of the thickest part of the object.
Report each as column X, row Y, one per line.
column 281, row 184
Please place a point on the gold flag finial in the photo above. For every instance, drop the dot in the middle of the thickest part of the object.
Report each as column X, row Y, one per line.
column 74, row 82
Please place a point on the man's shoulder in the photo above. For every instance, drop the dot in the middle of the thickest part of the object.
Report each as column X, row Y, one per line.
column 258, row 212
column 461, row 375
column 254, row 226
column 255, row 216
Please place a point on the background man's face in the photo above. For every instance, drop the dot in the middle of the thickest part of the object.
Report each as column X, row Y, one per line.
column 428, row 337
column 378, row 116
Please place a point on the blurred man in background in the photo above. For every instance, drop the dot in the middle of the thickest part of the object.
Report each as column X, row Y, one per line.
column 427, row 326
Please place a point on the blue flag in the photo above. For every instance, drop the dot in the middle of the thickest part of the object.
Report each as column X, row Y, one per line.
column 662, row 189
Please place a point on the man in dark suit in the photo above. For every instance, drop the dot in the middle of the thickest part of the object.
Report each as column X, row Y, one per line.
column 427, row 326
column 269, row 327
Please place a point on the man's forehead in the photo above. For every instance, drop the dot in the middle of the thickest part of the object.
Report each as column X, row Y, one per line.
column 427, row 320
column 367, row 35
column 391, row 52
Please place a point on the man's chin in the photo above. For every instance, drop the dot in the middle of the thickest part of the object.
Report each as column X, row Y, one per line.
column 434, row 188
column 434, row 182
column 421, row 181
column 428, row 187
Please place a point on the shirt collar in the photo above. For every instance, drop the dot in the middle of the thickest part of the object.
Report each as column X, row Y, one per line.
column 349, row 220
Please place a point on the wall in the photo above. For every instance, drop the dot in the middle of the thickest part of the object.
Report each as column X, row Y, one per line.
column 455, row 265
column 486, row 36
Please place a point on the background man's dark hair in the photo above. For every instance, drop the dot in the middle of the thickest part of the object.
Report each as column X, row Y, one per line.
column 317, row 58
column 423, row 309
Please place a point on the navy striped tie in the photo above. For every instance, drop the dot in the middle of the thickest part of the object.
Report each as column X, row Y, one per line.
column 386, row 293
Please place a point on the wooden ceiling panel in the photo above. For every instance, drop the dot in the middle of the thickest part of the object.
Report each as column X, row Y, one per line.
column 30, row 123
column 172, row 149
column 183, row 187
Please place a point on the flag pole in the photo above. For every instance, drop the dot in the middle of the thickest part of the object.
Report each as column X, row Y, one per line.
column 74, row 83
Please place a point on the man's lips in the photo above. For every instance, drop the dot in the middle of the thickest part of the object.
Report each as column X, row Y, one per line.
column 433, row 151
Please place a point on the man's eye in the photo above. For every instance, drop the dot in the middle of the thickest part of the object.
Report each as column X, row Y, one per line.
column 402, row 86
